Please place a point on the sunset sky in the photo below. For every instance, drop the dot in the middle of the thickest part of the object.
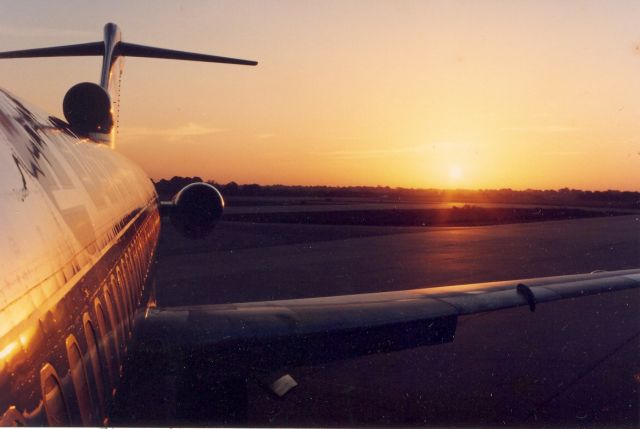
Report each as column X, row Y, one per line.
column 447, row 94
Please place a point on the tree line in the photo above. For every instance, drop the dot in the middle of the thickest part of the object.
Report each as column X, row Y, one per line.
column 611, row 198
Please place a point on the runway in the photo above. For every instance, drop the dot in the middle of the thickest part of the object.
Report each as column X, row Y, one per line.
column 248, row 262
column 571, row 363
column 318, row 205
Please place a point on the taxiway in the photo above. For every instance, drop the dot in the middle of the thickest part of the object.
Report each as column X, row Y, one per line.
column 571, row 363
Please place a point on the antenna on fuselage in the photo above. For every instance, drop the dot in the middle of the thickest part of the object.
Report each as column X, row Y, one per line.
column 92, row 109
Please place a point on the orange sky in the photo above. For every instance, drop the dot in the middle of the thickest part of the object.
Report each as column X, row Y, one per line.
column 462, row 94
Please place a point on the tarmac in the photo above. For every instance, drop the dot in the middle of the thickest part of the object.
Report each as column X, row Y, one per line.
column 571, row 363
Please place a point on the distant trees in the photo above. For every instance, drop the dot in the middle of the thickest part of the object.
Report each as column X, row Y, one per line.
column 565, row 196
column 166, row 189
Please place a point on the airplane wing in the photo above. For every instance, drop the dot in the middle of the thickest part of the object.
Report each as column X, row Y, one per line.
column 277, row 334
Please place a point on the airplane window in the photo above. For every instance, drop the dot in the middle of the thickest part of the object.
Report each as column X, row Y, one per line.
column 115, row 294
column 125, row 304
column 139, row 269
column 125, row 277
column 54, row 403
column 141, row 259
column 94, row 357
column 136, row 259
column 79, row 378
column 105, row 341
column 120, row 286
column 130, row 279
column 115, row 325
column 68, row 272
column 134, row 278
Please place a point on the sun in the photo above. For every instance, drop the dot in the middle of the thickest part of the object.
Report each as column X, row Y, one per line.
column 455, row 172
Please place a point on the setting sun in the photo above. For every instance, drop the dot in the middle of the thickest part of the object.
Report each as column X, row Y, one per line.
column 455, row 172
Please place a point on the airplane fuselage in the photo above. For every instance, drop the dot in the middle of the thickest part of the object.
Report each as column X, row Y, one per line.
column 80, row 225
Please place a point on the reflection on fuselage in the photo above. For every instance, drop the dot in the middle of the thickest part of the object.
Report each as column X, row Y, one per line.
column 79, row 230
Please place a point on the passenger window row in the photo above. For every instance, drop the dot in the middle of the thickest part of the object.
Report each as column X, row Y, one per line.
column 87, row 387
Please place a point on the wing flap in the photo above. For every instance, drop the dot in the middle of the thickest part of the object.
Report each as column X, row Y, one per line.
column 279, row 335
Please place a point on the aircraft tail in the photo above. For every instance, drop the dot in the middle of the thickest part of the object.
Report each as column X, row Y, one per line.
column 91, row 110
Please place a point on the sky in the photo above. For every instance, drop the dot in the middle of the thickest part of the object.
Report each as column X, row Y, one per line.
column 430, row 94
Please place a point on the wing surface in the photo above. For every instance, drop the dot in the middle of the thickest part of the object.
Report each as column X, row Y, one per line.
column 274, row 334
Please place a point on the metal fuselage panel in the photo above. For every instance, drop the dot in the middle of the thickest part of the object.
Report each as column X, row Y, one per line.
column 79, row 229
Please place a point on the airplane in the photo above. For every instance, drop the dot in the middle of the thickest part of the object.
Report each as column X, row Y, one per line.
column 80, row 231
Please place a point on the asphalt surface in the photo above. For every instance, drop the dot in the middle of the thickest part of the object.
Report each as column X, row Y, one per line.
column 248, row 262
column 571, row 363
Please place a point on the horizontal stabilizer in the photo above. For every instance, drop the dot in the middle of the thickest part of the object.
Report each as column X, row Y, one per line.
column 122, row 49
column 83, row 49
column 131, row 50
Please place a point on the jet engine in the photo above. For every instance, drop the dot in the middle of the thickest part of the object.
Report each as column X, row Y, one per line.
column 195, row 209
column 87, row 107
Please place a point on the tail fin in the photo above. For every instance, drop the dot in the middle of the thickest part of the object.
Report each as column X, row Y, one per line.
column 112, row 50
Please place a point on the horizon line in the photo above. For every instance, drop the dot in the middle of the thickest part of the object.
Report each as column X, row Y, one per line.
column 400, row 187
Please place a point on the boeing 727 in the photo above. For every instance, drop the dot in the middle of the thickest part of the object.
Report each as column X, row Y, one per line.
column 80, row 228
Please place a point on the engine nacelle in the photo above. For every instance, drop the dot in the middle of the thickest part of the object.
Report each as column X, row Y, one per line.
column 87, row 107
column 196, row 209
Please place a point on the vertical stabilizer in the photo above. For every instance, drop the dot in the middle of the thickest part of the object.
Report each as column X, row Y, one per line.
column 112, row 69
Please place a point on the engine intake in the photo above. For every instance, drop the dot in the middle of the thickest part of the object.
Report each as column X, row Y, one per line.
column 195, row 210
column 87, row 107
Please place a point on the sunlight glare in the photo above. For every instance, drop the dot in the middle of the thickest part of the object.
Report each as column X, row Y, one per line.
column 455, row 172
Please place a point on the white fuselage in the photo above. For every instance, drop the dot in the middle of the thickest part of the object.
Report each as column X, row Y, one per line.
column 74, row 214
